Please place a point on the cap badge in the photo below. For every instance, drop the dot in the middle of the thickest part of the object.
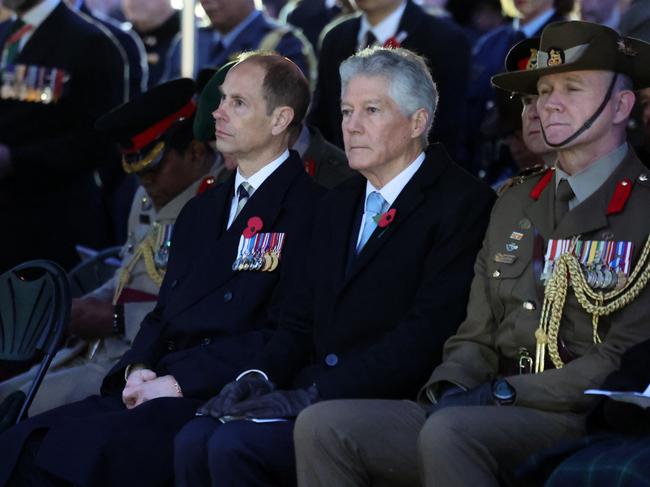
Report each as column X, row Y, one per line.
column 555, row 56
column 625, row 47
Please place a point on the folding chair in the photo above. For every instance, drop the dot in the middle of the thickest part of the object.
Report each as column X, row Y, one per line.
column 34, row 313
column 94, row 270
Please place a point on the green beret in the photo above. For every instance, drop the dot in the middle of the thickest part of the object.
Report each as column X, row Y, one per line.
column 209, row 100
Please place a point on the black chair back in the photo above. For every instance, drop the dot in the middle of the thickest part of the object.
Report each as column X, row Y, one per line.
column 34, row 314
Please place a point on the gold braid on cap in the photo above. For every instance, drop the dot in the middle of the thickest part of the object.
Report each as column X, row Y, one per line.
column 145, row 161
column 567, row 272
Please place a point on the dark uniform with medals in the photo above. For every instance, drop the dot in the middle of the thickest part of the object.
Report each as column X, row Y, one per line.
column 50, row 95
column 158, row 44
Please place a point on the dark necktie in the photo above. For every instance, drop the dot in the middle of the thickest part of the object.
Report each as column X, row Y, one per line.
column 243, row 193
column 563, row 194
column 371, row 40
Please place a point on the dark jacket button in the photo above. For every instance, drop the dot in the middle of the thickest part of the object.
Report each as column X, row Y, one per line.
column 171, row 346
column 331, row 359
column 207, row 341
column 227, row 297
column 174, row 283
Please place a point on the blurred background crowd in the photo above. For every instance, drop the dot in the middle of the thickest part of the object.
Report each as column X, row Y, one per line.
column 62, row 183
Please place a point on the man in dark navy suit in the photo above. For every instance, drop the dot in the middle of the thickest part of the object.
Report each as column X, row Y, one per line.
column 237, row 26
column 58, row 73
column 392, row 23
column 387, row 278
column 231, row 248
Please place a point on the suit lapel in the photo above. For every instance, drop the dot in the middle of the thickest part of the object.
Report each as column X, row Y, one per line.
column 5, row 28
column 344, row 226
column 213, row 264
column 411, row 19
column 406, row 203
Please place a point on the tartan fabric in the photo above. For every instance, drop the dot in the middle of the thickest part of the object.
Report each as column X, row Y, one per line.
column 622, row 461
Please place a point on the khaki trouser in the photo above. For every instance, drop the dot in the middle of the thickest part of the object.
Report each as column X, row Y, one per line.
column 389, row 443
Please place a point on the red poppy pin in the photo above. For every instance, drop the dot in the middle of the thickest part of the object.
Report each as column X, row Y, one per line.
column 395, row 41
column 386, row 219
column 254, row 225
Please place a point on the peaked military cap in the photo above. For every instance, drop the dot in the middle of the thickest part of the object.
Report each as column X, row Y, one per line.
column 505, row 117
column 140, row 125
column 577, row 46
column 209, row 100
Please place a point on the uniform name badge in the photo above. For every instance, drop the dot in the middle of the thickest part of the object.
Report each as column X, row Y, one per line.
column 605, row 263
column 259, row 252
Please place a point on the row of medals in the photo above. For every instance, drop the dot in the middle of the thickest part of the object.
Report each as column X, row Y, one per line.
column 258, row 261
column 603, row 277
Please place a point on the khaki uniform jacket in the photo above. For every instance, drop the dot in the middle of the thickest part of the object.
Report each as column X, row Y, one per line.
column 506, row 299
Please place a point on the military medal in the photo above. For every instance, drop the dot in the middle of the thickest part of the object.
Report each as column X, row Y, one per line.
column 516, row 235
column 605, row 263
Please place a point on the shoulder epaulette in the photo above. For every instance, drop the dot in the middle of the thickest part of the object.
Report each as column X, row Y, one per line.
column 523, row 175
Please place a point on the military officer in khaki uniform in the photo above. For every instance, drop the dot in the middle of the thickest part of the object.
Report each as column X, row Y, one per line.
column 560, row 292
column 169, row 176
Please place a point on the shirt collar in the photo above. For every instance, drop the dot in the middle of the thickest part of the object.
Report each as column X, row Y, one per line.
column 534, row 25
column 587, row 181
column 40, row 12
column 260, row 176
column 384, row 30
column 302, row 144
column 229, row 38
column 394, row 187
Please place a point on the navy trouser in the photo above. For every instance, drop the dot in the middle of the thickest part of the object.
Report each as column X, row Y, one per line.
column 241, row 453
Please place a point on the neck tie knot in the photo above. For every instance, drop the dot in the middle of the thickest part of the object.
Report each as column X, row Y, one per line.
column 375, row 205
column 243, row 193
column 371, row 40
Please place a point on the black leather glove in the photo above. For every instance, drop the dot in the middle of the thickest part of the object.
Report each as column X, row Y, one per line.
column 487, row 394
column 249, row 386
column 277, row 404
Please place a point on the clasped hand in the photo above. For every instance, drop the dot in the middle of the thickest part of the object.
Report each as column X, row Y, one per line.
column 144, row 385
column 255, row 397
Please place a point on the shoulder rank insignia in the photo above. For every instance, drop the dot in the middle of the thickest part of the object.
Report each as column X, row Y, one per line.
column 523, row 175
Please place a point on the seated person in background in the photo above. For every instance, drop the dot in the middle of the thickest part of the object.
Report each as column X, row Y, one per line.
column 323, row 161
column 237, row 26
column 397, row 23
column 512, row 379
column 386, row 281
column 517, row 146
column 114, row 311
column 231, row 249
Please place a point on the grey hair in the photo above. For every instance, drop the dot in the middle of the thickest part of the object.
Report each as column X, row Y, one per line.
column 410, row 84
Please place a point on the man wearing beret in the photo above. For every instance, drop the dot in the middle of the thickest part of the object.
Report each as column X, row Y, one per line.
column 113, row 312
column 559, row 294
column 386, row 283
column 233, row 249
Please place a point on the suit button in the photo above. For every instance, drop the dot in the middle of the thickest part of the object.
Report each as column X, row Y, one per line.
column 174, row 283
column 529, row 305
column 331, row 359
column 227, row 297
column 207, row 341
column 171, row 346
column 496, row 274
